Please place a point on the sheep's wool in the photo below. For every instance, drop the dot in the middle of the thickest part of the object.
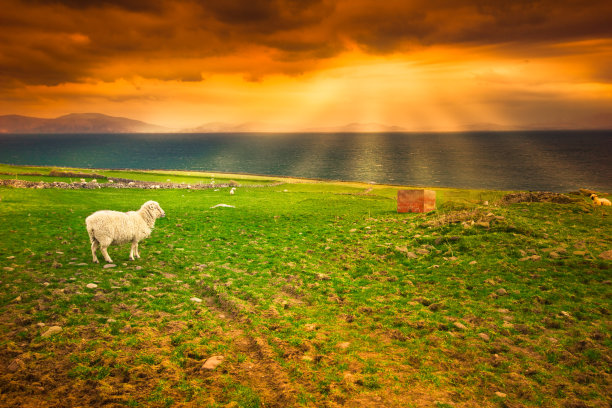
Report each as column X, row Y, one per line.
column 115, row 228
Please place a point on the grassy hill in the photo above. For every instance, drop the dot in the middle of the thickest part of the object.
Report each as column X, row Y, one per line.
column 315, row 294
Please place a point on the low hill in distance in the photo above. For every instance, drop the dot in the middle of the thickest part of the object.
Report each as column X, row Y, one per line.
column 358, row 128
column 222, row 127
column 76, row 123
column 100, row 123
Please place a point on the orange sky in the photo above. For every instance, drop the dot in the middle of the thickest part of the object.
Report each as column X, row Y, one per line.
column 299, row 64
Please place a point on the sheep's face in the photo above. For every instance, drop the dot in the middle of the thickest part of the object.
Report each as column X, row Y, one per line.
column 593, row 197
column 154, row 209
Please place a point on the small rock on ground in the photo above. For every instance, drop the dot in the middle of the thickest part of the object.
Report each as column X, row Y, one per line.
column 484, row 336
column 406, row 252
column 435, row 307
column 607, row 255
column 531, row 258
column 460, row 326
column 92, row 285
column 51, row 331
column 110, row 265
column 196, row 300
column 212, row 362
column 16, row 365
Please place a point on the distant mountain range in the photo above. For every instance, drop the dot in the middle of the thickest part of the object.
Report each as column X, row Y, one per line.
column 99, row 123
column 221, row 127
column 76, row 123
column 358, row 127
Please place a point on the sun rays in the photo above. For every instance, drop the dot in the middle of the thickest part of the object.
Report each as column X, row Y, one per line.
column 418, row 66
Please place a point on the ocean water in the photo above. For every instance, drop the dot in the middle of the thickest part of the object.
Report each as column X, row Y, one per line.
column 557, row 161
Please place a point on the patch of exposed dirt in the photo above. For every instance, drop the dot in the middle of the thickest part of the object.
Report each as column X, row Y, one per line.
column 42, row 381
column 538, row 197
column 266, row 375
column 261, row 371
column 475, row 217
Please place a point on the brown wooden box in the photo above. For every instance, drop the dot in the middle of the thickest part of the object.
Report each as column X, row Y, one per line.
column 416, row 201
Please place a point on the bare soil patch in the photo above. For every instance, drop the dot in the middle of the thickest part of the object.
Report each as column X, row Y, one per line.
column 538, row 197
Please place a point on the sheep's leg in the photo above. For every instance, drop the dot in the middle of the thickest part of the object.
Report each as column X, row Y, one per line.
column 94, row 248
column 134, row 250
column 107, row 258
column 103, row 246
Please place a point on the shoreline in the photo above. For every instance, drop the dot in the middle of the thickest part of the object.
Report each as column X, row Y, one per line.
column 244, row 176
column 198, row 185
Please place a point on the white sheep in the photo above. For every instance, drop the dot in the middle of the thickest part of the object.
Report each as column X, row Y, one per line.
column 115, row 228
column 600, row 201
column 233, row 190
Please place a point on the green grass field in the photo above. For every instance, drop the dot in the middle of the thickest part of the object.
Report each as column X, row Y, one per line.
column 316, row 294
column 187, row 177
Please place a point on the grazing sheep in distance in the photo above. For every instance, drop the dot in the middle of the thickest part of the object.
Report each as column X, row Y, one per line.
column 233, row 190
column 600, row 201
column 115, row 228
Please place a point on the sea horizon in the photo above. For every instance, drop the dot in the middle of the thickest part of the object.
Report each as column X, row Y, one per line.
column 545, row 160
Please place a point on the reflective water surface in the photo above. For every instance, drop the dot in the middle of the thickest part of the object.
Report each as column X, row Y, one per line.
column 552, row 161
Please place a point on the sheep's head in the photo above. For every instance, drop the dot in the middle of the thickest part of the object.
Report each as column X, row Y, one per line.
column 593, row 196
column 153, row 208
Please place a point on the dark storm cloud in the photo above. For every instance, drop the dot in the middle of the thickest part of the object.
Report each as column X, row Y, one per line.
column 269, row 16
column 49, row 42
column 399, row 24
column 238, row 12
column 131, row 5
column 531, row 20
